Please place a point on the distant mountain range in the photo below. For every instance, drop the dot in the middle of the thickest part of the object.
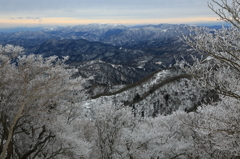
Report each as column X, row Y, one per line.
column 117, row 35
column 139, row 50
column 17, row 29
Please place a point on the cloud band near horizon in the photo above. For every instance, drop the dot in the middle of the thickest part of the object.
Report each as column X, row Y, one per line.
column 64, row 12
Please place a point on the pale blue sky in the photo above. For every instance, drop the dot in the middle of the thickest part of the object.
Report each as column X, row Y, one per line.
column 69, row 12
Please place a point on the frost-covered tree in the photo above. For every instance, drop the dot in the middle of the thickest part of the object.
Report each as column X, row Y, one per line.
column 221, row 70
column 215, row 127
column 33, row 90
column 108, row 123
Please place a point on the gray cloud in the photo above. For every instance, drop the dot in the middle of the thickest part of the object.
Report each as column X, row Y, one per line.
column 34, row 18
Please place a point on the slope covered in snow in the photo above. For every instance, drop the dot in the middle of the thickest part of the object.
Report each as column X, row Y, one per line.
column 160, row 93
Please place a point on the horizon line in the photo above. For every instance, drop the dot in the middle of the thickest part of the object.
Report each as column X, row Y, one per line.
column 11, row 23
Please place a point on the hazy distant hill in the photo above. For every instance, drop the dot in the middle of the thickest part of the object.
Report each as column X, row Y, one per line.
column 106, row 33
column 17, row 29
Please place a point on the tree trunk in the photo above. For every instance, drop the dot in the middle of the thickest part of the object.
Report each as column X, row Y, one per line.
column 10, row 133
